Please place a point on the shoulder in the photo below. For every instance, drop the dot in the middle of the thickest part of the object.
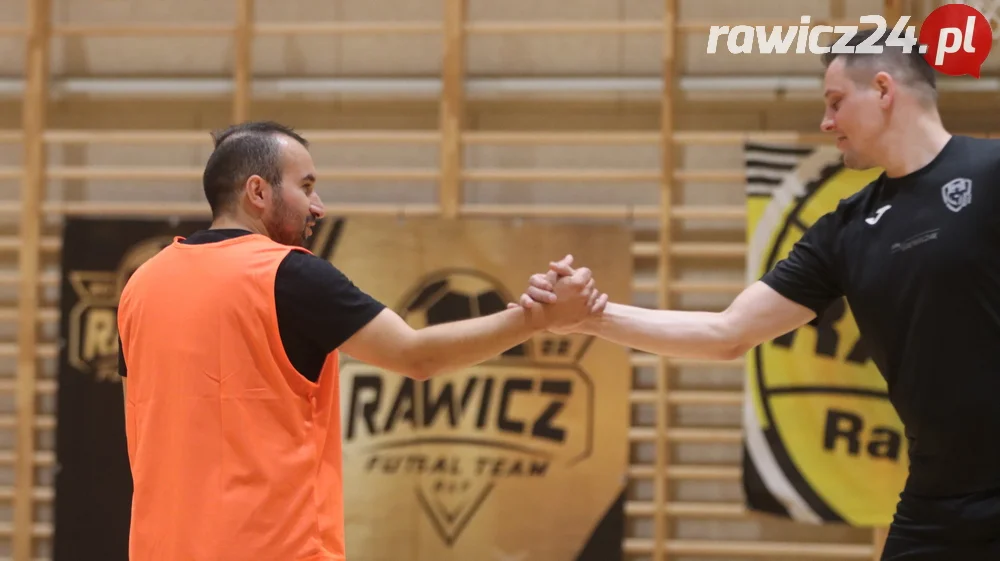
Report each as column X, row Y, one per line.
column 981, row 151
column 857, row 205
column 304, row 268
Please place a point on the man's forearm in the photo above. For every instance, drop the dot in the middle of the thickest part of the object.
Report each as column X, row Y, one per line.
column 670, row 333
column 451, row 346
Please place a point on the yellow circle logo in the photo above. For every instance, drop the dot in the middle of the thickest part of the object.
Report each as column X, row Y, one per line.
column 823, row 442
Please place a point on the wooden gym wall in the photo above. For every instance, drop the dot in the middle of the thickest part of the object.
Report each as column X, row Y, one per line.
column 534, row 110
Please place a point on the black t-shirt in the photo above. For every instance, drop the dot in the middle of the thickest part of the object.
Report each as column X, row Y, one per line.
column 318, row 307
column 918, row 260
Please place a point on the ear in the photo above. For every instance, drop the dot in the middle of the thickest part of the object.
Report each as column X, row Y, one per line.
column 257, row 191
column 885, row 86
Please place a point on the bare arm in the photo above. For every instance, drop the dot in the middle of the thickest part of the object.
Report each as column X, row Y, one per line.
column 388, row 342
column 757, row 315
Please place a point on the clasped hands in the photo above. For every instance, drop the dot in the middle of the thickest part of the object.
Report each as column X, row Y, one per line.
column 562, row 299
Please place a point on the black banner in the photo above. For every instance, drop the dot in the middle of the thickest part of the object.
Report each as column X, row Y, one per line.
column 93, row 484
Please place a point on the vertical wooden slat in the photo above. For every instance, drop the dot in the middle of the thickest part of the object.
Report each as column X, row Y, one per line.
column 242, row 60
column 32, row 191
column 661, row 526
column 452, row 107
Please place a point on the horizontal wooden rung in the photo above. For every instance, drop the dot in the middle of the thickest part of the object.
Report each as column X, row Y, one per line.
column 569, row 175
column 13, row 243
column 193, row 29
column 697, row 435
column 193, row 209
column 12, row 30
column 639, row 358
column 533, row 138
column 44, row 315
column 195, row 173
column 558, row 27
column 41, row 422
column 713, row 510
column 753, row 549
column 40, row 494
column 44, row 350
column 646, row 285
column 38, row 530
column 689, row 397
column 729, row 212
column 13, row 278
column 710, row 176
column 387, row 28
column 42, row 458
column 620, row 212
column 689, row 472
column 708, row 249
column 42, row 387
column 197, row 137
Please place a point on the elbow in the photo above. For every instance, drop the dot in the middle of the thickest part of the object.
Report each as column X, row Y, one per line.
column 733, row 351
column 421, row 368
column 416, row 370
column 733, row 345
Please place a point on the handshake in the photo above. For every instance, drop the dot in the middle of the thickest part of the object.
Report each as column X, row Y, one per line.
column 563, row 299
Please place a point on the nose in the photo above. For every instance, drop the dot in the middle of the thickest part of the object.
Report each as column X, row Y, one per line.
column 827, row 124
column 316, row 206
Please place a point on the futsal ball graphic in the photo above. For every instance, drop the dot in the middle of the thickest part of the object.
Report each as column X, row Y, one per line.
column 821, row 434
column 454, row 295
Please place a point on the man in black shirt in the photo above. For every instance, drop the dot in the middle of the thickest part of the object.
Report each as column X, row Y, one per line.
column 260, row 180
column 916, row 253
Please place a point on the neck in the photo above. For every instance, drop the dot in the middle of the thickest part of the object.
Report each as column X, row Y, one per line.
column 233, row 222
column 912, row 143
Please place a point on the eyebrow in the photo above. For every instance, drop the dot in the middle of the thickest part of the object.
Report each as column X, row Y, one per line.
column 309, row 177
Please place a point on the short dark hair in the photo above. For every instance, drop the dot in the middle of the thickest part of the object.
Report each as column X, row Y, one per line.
column 910, row 68
column 242, row 151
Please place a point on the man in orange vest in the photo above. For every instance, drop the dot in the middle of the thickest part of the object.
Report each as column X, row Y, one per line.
column 230, row 342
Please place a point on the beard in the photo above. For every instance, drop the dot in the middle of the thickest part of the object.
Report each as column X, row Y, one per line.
column 287, row 227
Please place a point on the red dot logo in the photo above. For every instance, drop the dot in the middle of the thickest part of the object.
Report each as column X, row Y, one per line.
column 956, row 39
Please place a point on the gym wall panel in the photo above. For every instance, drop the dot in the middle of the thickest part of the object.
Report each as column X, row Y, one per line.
column 11, row 53
column 640, row 52
column 530, row 54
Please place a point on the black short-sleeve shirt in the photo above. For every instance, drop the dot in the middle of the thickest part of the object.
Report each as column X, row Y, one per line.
column 918, row 260
column 317, row 305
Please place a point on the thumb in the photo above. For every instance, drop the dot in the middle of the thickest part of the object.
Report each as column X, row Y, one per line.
column 562, row 267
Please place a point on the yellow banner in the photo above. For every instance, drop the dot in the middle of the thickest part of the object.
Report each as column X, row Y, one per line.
column 520, row 458
column 823, row 443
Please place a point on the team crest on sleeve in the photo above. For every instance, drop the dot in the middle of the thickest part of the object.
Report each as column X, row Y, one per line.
column 957, row 194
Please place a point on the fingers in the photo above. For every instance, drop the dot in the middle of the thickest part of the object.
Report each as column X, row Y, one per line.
column 552, row 277
column 527, row 302
column 541, row 296
column 583, row 275
column 600, row 304
column 542, row 282
column 562, row 267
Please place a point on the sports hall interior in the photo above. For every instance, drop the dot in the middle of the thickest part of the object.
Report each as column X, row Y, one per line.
column 608, row 111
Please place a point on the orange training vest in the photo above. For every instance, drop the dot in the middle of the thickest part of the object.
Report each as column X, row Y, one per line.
column 235, row 455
